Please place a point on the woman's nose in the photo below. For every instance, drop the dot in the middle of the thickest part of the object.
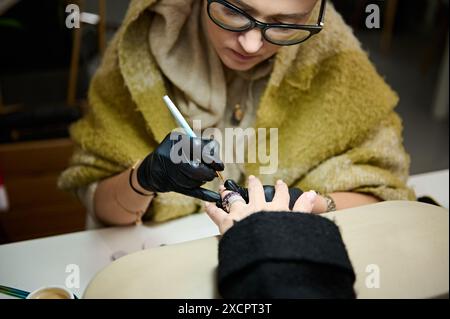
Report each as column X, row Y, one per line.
column 251, row 41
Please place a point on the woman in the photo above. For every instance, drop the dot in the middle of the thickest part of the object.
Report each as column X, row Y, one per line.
column 269, row 251
column 338, row 132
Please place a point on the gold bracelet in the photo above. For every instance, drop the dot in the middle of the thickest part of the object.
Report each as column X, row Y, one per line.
column 138, row 213
column 130, row 181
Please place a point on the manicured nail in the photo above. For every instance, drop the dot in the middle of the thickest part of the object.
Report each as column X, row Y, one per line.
column 279, row 182
column 311, row 196
column 251, row 177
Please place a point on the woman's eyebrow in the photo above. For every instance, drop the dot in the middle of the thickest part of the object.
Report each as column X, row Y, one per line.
column 242, row 5
column 291, row 16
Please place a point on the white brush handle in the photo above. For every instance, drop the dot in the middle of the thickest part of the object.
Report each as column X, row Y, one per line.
column 178, row 116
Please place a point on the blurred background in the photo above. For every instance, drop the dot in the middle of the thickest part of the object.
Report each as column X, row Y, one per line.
column 45, row 69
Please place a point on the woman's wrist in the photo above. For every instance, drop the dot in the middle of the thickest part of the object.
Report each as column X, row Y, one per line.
column 116, row 203
column 134, row 182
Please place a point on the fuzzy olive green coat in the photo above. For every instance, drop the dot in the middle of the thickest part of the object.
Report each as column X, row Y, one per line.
column 337, row 127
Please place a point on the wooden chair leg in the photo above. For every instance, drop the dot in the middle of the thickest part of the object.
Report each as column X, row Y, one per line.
column 102, row 26
column 389, row 21
column 74, row 63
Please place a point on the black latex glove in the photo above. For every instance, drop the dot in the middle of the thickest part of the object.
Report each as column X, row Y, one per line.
column 269, row 192
column 159, row 173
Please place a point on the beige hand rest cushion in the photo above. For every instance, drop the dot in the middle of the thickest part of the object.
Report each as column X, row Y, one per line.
column 401, row 247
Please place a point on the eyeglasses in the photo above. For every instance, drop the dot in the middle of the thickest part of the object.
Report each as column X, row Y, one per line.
column 231, row 18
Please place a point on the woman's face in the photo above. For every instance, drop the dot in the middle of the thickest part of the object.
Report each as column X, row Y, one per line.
column 241, row 51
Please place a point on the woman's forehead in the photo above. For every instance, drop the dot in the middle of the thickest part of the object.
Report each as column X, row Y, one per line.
column 278, row 7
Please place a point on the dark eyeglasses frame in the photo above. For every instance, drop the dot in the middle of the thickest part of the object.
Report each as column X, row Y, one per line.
column 313, row 29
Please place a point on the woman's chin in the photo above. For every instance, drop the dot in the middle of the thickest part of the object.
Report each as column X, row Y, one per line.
column 236, row 66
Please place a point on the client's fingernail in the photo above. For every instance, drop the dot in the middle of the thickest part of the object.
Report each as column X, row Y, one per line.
column 279, row 182
column 311, row 196
column 251, row 177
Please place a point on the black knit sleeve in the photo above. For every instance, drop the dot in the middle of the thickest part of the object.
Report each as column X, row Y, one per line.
column 284, row 255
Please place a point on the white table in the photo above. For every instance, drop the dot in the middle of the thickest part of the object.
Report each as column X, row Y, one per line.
column 31, row 264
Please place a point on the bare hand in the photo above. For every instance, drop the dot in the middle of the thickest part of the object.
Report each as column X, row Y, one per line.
column 257, row 203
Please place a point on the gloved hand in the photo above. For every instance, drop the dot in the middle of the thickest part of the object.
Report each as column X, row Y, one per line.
column 269, row 192
column 182, row 164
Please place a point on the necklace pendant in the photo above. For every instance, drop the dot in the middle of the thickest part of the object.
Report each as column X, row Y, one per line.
column 238, row 114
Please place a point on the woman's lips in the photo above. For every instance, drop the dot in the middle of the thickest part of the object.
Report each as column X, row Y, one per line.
column 241, row 57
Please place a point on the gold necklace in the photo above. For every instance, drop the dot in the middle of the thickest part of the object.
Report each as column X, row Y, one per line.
column 238, row 114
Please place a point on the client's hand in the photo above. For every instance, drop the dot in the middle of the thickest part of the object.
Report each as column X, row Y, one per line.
column 269, row 192
column 238, row 209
